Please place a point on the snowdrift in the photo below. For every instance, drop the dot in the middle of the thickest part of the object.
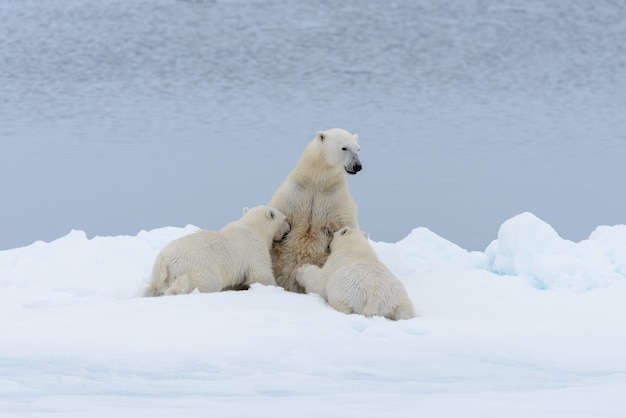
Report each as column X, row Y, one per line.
column 531, row 327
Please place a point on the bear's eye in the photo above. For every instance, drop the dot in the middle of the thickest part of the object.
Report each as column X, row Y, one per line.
column 344, row 232
column 344, row 149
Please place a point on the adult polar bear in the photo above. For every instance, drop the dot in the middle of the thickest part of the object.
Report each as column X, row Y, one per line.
column 317, row 202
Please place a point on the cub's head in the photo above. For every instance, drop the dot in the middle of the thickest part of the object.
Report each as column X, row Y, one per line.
column 274, row 220
column 348, row 237
column 341, row 149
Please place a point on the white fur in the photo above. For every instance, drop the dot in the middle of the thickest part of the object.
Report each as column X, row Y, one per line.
column 317, row 202
column 354, row 280
column 211, row 261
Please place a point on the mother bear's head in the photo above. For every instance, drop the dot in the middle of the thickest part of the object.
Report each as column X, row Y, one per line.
column 341, row 149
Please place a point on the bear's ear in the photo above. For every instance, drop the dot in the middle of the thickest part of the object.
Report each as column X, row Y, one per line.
column 366, row 235
column 356, row 137
column 270, row 214
column 321, row 136
column 246, row 210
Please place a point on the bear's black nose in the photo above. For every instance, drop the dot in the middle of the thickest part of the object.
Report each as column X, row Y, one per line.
column 357, row 167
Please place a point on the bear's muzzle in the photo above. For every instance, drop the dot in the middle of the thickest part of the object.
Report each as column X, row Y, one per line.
column 354, row 168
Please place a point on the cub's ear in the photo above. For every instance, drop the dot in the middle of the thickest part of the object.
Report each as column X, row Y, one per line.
column 320, row 135
column 366, row 235
column 246, row 210
column 356, row 137
column 271, row 214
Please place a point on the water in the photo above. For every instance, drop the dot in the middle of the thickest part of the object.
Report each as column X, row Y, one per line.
column 119, row 116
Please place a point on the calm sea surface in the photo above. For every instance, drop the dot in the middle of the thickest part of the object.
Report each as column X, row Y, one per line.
column 117, row 116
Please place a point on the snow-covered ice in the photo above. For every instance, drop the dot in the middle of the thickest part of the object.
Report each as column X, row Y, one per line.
column 534, row 326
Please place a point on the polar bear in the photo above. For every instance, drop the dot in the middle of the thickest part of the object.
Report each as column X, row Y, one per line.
column 354, row 280
column 317, row 202
column 211, row 261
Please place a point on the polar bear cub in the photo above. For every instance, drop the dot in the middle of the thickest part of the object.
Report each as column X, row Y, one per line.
column 316, row 199
column 354, row 280
column 211, row 261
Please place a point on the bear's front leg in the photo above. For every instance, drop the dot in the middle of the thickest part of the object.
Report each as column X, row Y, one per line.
column 310, row 278
column 262, row 275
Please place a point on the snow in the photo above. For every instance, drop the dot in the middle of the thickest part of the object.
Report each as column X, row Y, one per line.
column 533, row 326
column 529, row 247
